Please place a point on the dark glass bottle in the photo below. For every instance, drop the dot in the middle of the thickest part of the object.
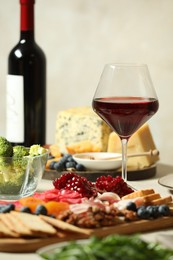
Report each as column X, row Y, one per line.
column 26, row 85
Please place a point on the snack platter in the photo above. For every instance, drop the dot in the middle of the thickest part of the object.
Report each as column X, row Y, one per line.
column 28, row 232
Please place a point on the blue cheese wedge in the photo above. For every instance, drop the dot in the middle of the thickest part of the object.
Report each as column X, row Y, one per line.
column 80, row 129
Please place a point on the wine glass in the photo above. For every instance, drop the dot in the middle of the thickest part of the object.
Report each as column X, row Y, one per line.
column 125, row 99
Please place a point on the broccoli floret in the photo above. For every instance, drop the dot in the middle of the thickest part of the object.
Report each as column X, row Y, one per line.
column 36, row 150
column 19, row 159
column 11, row 180
column 12, row 174
column 5, row 167
column 19, row 164
column 20, row 151
column 6, row 148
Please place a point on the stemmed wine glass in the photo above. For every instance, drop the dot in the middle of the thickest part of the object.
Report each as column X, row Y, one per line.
column 125, row 99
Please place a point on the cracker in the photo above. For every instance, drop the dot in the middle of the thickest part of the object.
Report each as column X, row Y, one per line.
column 149, row 198
column 139, row 193
column 65, row 226
column 14, row 224
column 164, row 200
column 34, row 223
column 5, row 231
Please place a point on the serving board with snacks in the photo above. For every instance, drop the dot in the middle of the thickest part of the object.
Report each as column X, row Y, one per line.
column 136, row 212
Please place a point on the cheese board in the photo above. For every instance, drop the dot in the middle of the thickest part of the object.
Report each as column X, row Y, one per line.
column 133, row 174
column 24, row 245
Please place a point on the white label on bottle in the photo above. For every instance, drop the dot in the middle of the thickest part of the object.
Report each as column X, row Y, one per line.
column 15, row 109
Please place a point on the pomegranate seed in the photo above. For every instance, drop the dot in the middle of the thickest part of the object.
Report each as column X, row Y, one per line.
column 72, row 181
column 109, row 183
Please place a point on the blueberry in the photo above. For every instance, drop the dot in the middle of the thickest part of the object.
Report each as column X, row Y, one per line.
column 164, row 210
column 64, row 158
column 70, row 159
column 25, row 209
column 58, row 166
column 41, row 210
column 156, row 212
column 7, row 208
column 11, row 206
column 153, row 211
column 131, row 206
column 51, row 166
column 143, row 213
column 2, row 208
column 67, row 157
column 80, row 167
column 150, row 211
column 70, row 165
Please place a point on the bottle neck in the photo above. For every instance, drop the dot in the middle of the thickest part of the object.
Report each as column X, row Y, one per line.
column 27, row 18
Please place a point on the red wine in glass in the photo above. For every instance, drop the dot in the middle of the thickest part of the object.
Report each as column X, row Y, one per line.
column 125, row 99
column 125, row 114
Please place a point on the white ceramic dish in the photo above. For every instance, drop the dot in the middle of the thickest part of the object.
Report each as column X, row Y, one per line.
column 99, row 161
column 167, row 181
column 51, row 249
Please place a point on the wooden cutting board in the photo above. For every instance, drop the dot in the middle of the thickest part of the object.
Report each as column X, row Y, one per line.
column 133, row 174
column 31, row 245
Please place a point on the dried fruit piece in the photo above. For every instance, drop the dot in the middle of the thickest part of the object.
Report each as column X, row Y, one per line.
column 31, row 203
column 54, row 207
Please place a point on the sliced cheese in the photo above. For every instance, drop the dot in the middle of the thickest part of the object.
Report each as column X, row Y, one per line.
column 80, row 129
column 141, row 141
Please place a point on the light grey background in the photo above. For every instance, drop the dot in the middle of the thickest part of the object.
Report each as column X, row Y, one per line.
column 80, row 36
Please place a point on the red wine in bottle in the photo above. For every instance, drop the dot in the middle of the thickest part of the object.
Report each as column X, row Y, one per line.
column 26, row 85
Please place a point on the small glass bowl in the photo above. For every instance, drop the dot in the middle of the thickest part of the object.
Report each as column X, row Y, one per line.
column 20, row 177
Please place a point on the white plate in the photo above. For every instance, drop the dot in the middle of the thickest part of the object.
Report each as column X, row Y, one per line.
column 101, row 160
column 166, row 181
column 52, row 248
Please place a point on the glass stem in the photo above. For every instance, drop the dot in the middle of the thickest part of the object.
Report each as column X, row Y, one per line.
column 124, row 159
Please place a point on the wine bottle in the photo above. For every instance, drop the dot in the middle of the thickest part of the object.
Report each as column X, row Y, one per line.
column 26, row 85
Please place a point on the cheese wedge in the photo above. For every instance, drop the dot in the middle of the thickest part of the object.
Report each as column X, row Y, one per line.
column 80, row 129
column 141, row 141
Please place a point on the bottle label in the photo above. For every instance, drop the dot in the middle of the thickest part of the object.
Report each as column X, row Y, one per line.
column 15, row 109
